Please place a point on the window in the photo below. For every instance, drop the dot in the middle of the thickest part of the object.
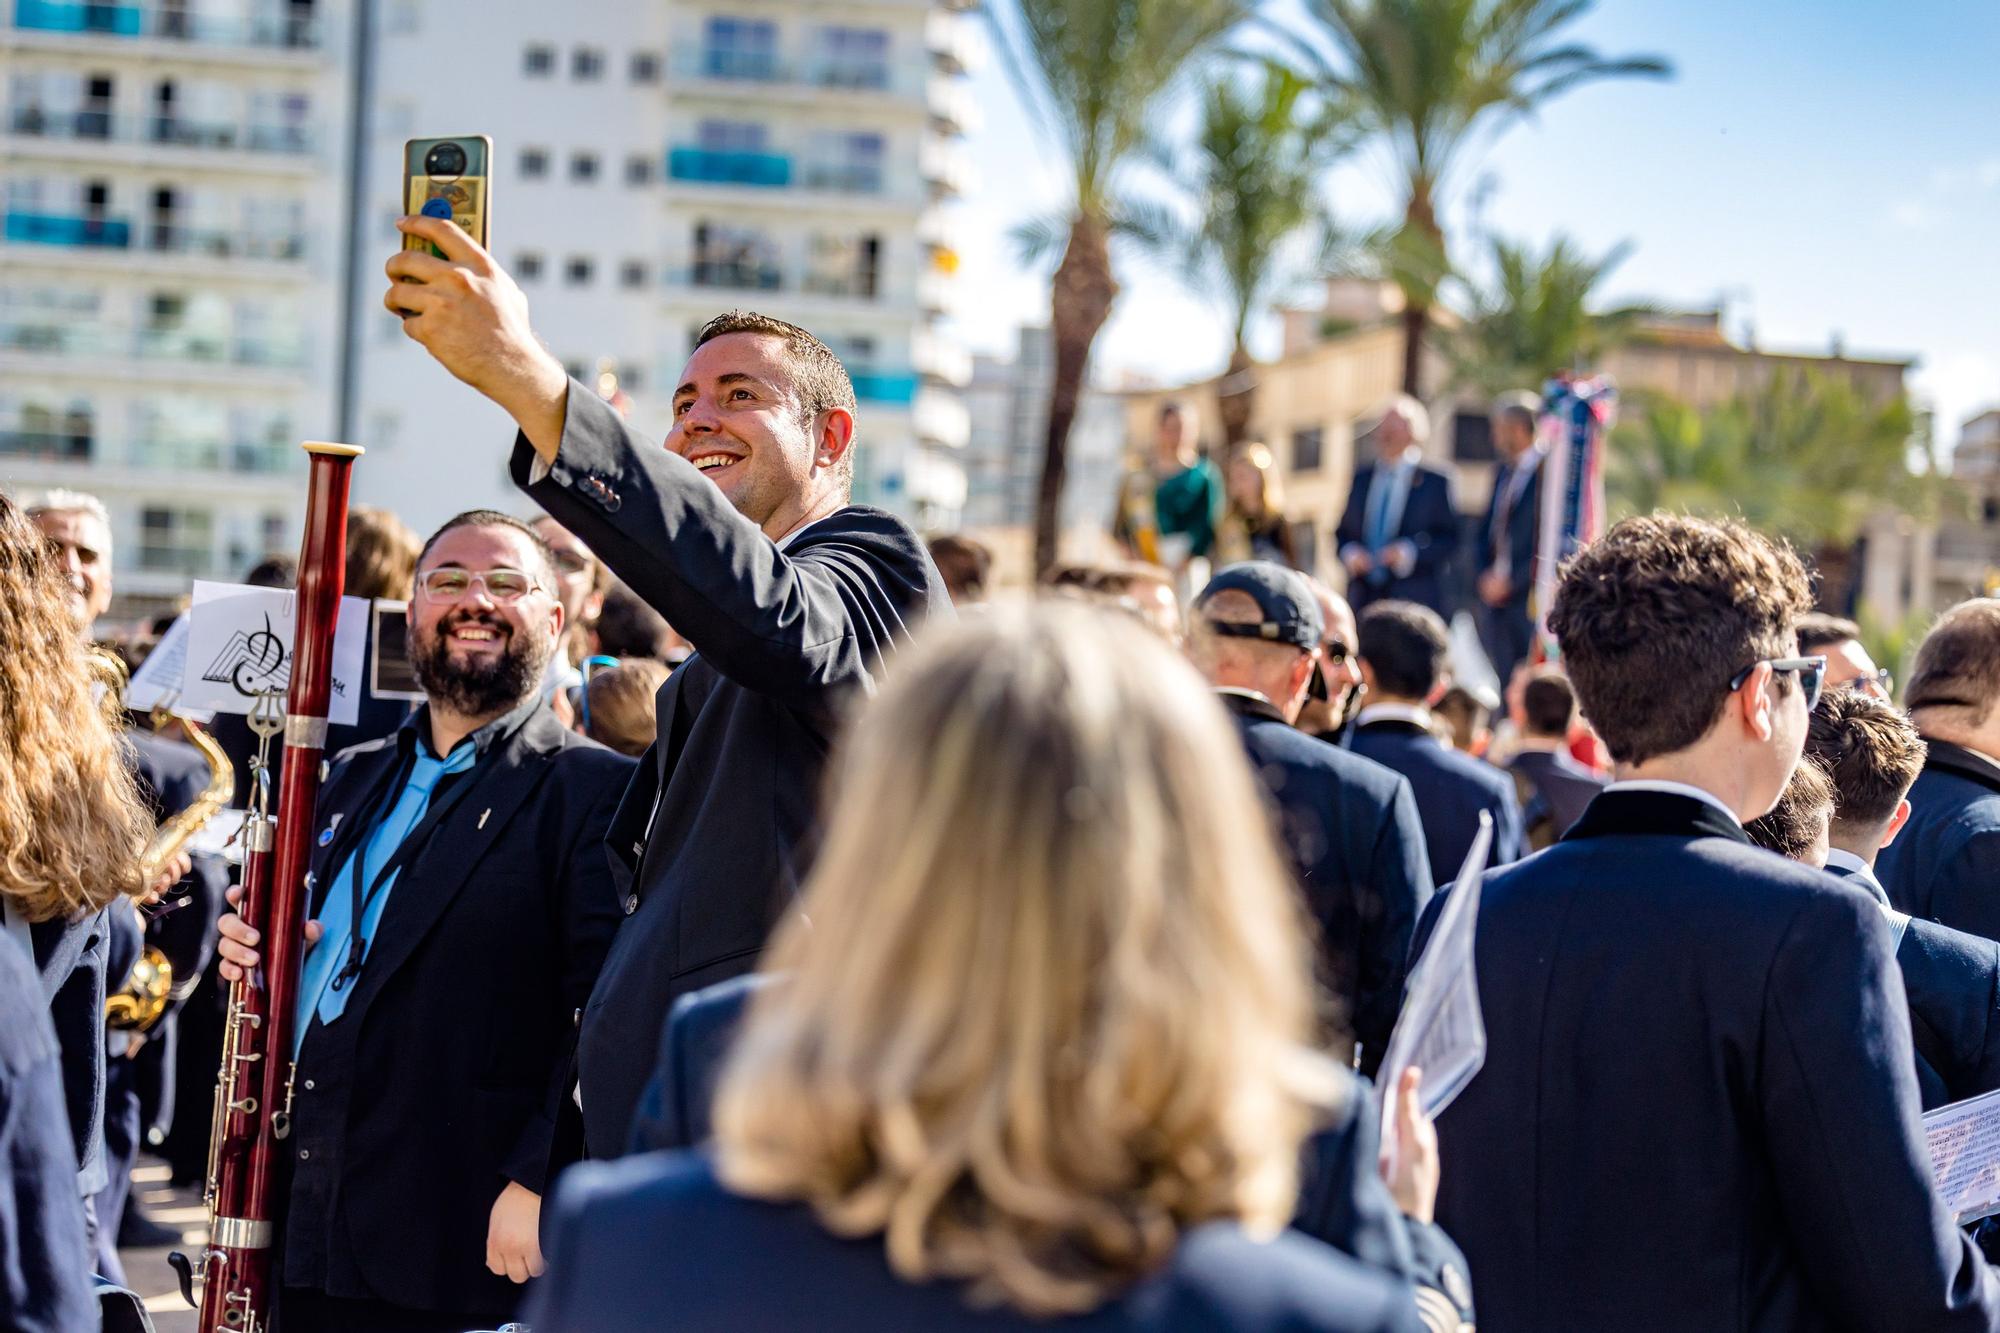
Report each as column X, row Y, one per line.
column 538, row 61
column 851, row 58
column 850, row 163
column 731, row 136
column 843, row 265
column 586, row 64
column 740, row 49
column 534, row 163
column 578, row 270
column 1472, row 437
column 527, row 266
column 582, row 168
column 638, row 169
column 735, row 257
column 645, row 67
column 632, row 273
column 1307, row 449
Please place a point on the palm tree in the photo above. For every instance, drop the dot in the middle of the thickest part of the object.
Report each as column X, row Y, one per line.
column 1253, row 177
column 1430, row 76
column 1095, row 73
column 1533, row 317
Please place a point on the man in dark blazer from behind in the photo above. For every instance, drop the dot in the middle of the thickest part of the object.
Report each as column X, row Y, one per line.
column 1399, row 532
column 1946, row 864
column 1348, row 827
column 1693, row 1026
column 738, row 531
column 1403, row 648
column 1555, row 789
column 462, row 906
column 1506, row 540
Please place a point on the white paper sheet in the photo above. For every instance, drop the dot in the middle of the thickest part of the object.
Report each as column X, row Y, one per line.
column 1964, row 1140
column 239, row 643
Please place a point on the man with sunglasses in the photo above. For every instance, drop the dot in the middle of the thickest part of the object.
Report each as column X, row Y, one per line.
column 1335, row 687
column 462, row 906
column 1683, row 1027
column 1347, row 825
column 1848, row 665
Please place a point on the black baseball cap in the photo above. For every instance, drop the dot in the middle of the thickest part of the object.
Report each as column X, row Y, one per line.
column 1289, row 609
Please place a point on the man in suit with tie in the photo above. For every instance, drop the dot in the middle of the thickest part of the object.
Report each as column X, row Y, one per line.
column 462, row 905
column 1946, row 865
column 1348, row 826
column 740, row 532
column 1403, row 649
column 1692, row 1026
column 1399, row 532
column 1504, row 547
column 1555, row 788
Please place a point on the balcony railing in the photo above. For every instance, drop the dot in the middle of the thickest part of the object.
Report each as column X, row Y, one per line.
column 734, row 274
column 167, row 237
column 765, row 67
column 844, row 177
column 284, row 28
column 60, row 229
column 884, row 386
column 729, row 168
column 243, row 456
column 856, row 286
column 104, row 127
column 97, row 340
column 45, row 446
column 156, row 559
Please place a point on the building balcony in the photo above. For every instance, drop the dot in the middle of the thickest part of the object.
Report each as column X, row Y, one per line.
column 237, row 458
column 60, row 229
column 712, row 167
column 954, row 43
column 173, row 238
column 941, row 418
column 843, row 177
column 895, row 388
column 730, row 275
column 45, row 446
column 945, row 167
column 938, row 358
column 718, row 73
column 954, row 110
column 91, row 127
column 285, row 28
column 103, row 342
column 188, row 561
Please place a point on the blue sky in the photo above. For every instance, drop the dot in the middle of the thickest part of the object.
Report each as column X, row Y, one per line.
column 1827, row 167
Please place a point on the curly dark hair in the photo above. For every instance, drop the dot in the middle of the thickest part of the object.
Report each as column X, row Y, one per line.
column 1658, row 615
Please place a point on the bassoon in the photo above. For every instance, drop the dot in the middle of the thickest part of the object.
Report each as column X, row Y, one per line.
column 254, row 1093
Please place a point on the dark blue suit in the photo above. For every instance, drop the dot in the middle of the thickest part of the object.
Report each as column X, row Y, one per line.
column 1685, row 1028
column 1945, row 864
column 1561, row 790
column 1451, row 790
column 1350, row 830
column 655, row 1242
column 72, row 956
column 1512, row 530
column 1428, row 522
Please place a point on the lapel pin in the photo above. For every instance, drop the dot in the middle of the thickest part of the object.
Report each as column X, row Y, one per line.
column 482, row 816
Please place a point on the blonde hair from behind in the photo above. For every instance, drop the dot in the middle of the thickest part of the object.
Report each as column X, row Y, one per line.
column 1054, row 1004
column 381, row 554
column 621, row 705
column 72, row 826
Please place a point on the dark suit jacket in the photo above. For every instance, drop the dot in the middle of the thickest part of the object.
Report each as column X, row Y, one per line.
column 656, row 1242
column 1429, row 523
column 1945, row 864
column 1684, row 1024
column 1562, row 789
column 1451, row 790
column 72, row 956
column 714, row 835
column 44, row 1263
column 1342, row 1200
column 1520, row 537
column 1349, row 828
column 442, row 1080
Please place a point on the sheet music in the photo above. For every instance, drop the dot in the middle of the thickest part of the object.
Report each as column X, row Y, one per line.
column 1964, row 1142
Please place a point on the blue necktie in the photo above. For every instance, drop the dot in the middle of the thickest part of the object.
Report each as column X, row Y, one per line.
column 317, row 993
column 1378, row 519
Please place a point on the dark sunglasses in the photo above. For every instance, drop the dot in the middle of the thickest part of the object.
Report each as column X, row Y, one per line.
column 1331, row 653
column 1811, row 672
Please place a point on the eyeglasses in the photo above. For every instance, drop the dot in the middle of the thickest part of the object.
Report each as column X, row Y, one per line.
column 1882, row 679
column 452, row 585
column 1811, row 672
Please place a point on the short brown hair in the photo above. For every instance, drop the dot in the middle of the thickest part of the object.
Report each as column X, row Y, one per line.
column 1657, row 616
column 1958, row 663
column 381, row 554
column 1803, row 812
column 1405, row 645
column 964, row 564
column 1872, row 752
column 622, row 703
column 1548, row 704
column 1819, row 630
column 545, row 572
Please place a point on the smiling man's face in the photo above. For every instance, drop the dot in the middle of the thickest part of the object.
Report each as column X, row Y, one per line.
column 738, row 418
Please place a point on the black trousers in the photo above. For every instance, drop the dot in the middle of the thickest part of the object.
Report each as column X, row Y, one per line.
column 303, row 1311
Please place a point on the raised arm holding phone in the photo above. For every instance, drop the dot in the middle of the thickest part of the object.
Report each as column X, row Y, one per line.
column 740, row 533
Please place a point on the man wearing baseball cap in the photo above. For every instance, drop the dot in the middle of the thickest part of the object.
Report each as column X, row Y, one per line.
column 1348, row 825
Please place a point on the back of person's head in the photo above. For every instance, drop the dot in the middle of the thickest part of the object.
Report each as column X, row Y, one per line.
column 1548, row 704
column 1518, row 409
column 964, row 564
column 1819, row 631
column 1872, row 753
column 621, row 705
column 1656, row 618
column 72, row 826
column 276, row 570
column 1955, row 680
column 1132, row 586
column 627, row 627
column 1053, row 1006
column 1466, row 715
column 381, row 554
column 1797, row 827
column 1405, row 647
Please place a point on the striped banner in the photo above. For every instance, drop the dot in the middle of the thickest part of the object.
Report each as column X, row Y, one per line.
column 1577, row 415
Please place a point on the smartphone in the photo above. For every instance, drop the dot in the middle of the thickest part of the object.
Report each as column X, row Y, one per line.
column 449, row 178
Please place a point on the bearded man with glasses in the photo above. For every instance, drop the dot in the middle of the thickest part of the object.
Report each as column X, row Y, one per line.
column 462, row 906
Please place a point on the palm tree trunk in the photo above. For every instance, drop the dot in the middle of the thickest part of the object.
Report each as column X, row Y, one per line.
column 1237, row 397
column 1416, row 324
column 1419, row 216
column 1079, row 303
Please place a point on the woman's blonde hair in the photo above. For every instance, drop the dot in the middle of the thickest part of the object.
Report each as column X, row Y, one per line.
column 381, row 555
column 1271, row 487
column 72, row 826
column 1048, row 1003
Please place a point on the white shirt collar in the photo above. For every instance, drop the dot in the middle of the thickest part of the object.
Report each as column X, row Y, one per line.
column 1838, row 858
column 1676, row 789
column 1416, row 713
column 800, row 531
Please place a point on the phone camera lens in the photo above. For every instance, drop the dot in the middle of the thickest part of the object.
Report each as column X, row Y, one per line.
column 447, row 159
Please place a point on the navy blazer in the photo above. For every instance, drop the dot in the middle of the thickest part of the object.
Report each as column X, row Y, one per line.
column 1562, row 788
column 1685, row 1025
column 1350, row 831
column 657, row 1242
column 72, row 956
column 714, row 835
column 1451, row 790
column 1945, row 864
column 442, row 1080
column 44, row 1262
column 1429, row 523
column 1342, row 1200
column 1522, row 535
